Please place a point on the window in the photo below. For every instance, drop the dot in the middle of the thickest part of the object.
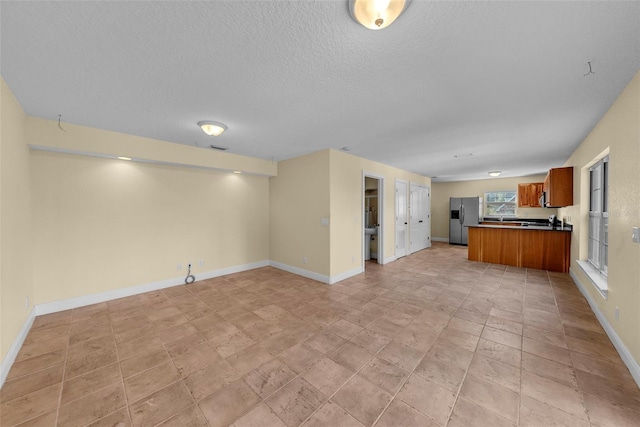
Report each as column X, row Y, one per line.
column 599, row 216
column 500, row 203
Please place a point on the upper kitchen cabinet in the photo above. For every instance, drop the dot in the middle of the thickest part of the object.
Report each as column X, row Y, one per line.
column 558, row 188
column 529, row 194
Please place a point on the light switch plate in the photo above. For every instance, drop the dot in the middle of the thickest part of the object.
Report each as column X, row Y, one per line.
column 635, row 236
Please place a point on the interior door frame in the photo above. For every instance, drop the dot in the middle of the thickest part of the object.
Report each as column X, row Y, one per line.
column 381, row 207
column 407, row 240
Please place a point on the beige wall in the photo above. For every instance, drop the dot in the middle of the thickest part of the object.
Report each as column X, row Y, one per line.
column 618, row 132
column 347, row 194
column 103, row 224
column 45, row 134
column 15, row 221
column 327, row 184
column 442, row 191
column 299, row 199
column 74, row 225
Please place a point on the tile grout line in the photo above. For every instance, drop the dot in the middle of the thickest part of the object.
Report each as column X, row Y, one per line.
column 355, row 374
column 327, row 355
column 124, row 388
column 564, row 334
column 64, row 369
column 474, row 354
column 524, row 307
column 325, row 329
column 108, row 385
column 195, row 402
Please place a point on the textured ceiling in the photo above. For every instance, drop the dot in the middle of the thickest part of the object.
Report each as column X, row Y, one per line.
column 502, row 80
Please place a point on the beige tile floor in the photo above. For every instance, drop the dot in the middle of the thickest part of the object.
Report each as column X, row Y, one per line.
column 429, row 340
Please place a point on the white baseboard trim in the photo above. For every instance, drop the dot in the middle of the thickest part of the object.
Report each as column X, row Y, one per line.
column 329, row 280
column 440, row 239
column 625, row 354
column 342, row 276
column 301, row 272
column 67, row 304
column 10, row 357
column 230, row 270
column 390, row 259
column 71, row 303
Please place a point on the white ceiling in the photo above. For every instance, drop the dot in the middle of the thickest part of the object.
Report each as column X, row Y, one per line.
column 502, row 80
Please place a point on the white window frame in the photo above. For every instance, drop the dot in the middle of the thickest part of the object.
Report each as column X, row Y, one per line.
column 597, row 262
column 599, row 216
column 515, row 203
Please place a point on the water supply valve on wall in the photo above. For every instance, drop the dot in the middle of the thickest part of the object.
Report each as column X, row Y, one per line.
column 190, row 277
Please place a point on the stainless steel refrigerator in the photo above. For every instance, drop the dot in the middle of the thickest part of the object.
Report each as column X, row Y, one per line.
column 463, row 211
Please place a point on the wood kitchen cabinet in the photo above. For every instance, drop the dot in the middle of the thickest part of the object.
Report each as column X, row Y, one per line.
column 521, row 247
column 558, row 186
column 529, row 194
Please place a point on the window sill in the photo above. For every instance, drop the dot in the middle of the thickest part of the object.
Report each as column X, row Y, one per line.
column 597, row 280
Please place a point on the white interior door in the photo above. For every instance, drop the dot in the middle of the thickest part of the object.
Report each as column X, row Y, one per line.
column 420, row 218
column 402, row 219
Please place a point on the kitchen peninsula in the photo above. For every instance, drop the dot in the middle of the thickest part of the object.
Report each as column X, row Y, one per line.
column 521, row 245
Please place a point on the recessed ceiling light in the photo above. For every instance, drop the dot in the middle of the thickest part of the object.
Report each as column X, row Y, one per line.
column 237, row 171
column 495, row 173
column 124, row 158
column 346, row 149
column 212, row 128
column 217, row 147
column 463, row 156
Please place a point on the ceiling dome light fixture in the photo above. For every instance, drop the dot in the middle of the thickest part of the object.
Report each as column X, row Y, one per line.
column 212, row 128
column 377, row 14
column 495, row 173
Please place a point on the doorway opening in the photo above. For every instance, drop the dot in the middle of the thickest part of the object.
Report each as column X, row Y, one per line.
column 372, row 221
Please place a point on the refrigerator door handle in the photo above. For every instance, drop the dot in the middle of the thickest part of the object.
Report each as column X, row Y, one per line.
column 461, row 214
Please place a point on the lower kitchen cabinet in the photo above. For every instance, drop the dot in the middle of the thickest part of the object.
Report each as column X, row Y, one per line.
column 526, row 248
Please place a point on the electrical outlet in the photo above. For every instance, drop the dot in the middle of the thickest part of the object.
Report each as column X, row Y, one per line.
column 353, row 259
column 179, row 266
column 189, row 266
column 26, row 302
column 200, row 263
column 635, row 234
column 617, row 313
column 304, row 259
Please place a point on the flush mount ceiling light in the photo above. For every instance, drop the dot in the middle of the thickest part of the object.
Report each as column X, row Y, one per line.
column 212, row 128
column 495, row 173
column 377, row 14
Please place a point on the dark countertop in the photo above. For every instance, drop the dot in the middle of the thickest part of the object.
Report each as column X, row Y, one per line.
column 523, row 227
